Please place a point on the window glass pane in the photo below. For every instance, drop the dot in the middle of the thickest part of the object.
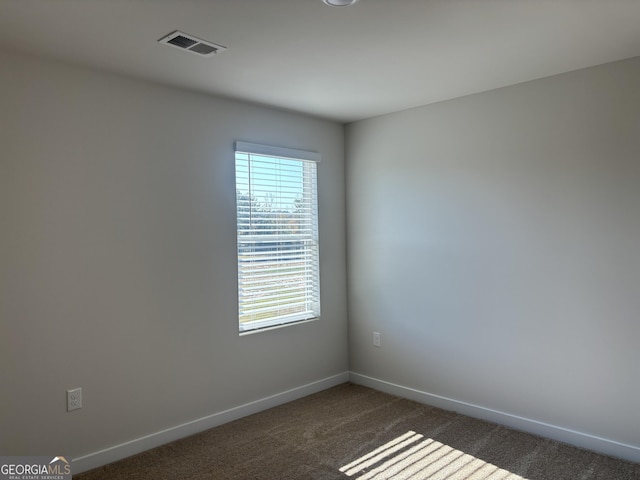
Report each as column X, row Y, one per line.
column 277, row 231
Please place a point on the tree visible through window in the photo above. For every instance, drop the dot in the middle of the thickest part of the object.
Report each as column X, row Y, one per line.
column 277, row 231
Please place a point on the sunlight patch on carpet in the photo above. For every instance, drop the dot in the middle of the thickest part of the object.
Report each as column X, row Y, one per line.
column 412, row 457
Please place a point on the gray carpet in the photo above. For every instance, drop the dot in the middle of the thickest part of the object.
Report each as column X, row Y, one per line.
column 354, row 432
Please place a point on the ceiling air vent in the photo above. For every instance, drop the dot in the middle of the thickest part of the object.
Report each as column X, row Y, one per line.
column 192, row 44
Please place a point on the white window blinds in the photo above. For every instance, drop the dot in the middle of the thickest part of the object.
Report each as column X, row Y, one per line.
column 277, row 231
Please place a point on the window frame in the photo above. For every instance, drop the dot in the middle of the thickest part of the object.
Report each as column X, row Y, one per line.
column 258, row 155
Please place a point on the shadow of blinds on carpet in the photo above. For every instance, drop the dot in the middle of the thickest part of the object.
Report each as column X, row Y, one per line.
column 412, row 457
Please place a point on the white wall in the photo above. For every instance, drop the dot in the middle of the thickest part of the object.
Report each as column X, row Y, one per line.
column 494, row 242
column 118, row 265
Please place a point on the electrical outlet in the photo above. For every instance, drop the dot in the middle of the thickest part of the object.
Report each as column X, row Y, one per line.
column 376, row 339
column 74, row 399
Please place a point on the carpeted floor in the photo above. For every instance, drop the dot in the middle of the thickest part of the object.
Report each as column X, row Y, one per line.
column 354, row 432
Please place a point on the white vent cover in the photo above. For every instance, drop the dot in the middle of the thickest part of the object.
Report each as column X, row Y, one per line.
column 192, row 44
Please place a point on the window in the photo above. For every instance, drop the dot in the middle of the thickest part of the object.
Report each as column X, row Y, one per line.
column 277, row 226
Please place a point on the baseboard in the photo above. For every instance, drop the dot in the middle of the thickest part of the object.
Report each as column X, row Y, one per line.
column 565, row 435
column 138, row 445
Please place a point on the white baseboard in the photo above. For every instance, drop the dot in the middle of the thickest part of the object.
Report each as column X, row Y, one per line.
column 572, row 437
column 132, row 447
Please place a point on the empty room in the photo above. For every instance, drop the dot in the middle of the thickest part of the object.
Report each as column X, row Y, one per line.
column 320, row 239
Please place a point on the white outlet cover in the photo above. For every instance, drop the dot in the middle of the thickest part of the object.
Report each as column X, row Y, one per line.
column 74, row 399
